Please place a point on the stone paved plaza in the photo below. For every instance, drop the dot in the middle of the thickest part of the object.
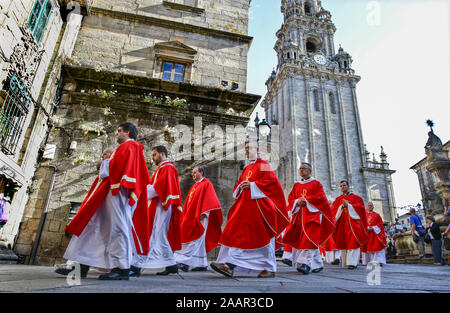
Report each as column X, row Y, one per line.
column 395, row 278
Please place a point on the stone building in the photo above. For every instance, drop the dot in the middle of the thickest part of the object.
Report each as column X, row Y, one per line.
column 312, row 97
column 173, row 68
column 434, row 180
column 30, row 33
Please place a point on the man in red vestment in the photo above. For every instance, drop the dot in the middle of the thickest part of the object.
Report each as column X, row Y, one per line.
column 202, row 223
column 69, row 266
column 257, row 217
column 103, row 227
column 311, row 224
column 351, row 226
column 373, row 250
column 163, row 227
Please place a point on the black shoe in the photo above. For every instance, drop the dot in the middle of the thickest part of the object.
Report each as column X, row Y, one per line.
column 304, row 269
column 287, row 262
column 135, row 271
column 84, row 269
column 335, row 262
column 279, row 253
column 352, row 267
column 199, row 269
column 183, row 267
column 169, row 270
column 116, row 274
column 317, row 270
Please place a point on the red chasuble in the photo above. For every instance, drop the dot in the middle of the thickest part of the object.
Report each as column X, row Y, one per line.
column 350, row 234
column 201, row 199
column 167, row 186
column 330, row 245
column 376, row 242
column 307, row 231
column 251, row 224
column 127, row 167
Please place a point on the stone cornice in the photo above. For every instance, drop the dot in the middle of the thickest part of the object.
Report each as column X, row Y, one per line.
column 310, row 21
column 165, row 23
column 287, row 68
column 141, row 85
column 378, row 170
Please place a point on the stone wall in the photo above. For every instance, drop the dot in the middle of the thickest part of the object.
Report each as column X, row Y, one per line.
column 91, row 121
column 226, row 15
column 13, row 15
column 120, row 36
column 113, row 76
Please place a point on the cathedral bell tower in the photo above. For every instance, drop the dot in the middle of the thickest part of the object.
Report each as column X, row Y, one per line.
column 311, row 95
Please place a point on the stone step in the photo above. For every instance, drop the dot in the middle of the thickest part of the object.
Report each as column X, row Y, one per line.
column 7, row 256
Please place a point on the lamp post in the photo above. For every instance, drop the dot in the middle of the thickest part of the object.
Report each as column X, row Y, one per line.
column 257, row 126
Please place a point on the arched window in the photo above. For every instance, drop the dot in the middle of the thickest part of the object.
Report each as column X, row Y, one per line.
column 288, row 55
column 308, row 8
column 332, row 105
column 316, row 100
column 312, row 45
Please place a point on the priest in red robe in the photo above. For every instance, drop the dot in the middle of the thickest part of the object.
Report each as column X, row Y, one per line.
column 163, row 226
column 312, row 222
column 202, row 223
column 373, row 251
column 257, row 217
column 103, row 227
column 351, row 226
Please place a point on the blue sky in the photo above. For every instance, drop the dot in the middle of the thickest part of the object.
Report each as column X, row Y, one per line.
column 402, row 55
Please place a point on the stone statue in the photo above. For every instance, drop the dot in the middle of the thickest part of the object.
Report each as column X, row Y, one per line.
column 434, row 142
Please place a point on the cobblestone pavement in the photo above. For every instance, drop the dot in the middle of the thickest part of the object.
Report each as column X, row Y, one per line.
column 392, row 278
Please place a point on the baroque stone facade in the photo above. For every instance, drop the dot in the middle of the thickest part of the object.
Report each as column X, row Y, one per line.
column 434, row 179
column 312, row 97
column 124, row 68
column 24, row 63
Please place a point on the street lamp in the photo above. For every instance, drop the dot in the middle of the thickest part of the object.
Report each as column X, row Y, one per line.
column 262, row 128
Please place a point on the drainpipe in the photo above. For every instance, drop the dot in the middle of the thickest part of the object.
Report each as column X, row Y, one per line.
column 43, row 218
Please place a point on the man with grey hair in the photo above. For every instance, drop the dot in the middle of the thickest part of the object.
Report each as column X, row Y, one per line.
column 311, row 222
column 373, row 250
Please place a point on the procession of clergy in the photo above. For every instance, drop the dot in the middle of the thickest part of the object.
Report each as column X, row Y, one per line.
column 130, row 221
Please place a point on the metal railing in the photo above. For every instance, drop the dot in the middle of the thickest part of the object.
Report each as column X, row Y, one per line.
column 15, row 103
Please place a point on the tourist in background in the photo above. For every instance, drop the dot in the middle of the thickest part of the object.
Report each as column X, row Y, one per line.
column 434, row 232
column 417, row 231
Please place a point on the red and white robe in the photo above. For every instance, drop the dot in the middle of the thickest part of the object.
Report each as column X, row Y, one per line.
column 199, row 236
column 163, row 226
column 103, row 227
column 311, row 225
column 351, row 228
column 257, row 217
